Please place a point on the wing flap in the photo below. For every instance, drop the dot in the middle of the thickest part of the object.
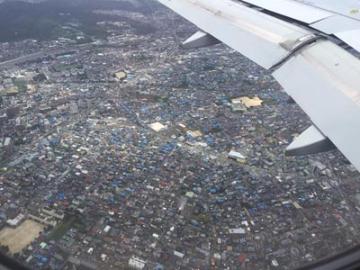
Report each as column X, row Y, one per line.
column 295, row 10
column 346, row 8
column 322, row 77
column 324, row 80
column 346, row 29
column 257, row 36
column 331, row 18
column 351, row 38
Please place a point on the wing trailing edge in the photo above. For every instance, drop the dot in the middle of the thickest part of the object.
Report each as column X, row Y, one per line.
column 321, row 76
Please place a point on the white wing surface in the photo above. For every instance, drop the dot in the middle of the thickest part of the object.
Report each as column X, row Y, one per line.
column 312, row 48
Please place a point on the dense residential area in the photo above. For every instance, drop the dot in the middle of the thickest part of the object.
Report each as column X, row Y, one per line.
column 125, row 151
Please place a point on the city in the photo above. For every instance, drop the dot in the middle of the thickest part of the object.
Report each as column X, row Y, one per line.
column 128, row 152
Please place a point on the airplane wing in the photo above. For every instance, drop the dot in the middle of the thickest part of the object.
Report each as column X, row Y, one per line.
column 312, row 48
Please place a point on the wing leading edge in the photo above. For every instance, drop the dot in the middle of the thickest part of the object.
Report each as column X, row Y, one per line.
column 321, row 76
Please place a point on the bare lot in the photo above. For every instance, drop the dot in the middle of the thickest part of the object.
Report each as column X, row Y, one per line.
column 18, row 238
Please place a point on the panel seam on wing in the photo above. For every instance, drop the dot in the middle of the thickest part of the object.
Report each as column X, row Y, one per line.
column 310, row 39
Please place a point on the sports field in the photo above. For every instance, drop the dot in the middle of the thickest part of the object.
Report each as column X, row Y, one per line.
column 18, row 238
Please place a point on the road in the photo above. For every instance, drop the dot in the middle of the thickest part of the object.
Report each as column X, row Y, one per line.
column 42, row 54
